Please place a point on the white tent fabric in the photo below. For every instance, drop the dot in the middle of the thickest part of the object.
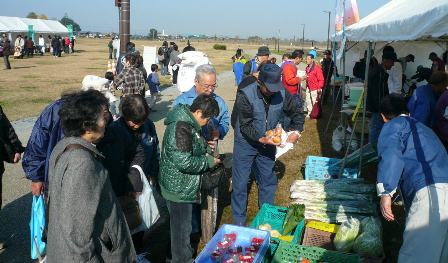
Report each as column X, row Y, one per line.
column 402, row 20
column 18, row 24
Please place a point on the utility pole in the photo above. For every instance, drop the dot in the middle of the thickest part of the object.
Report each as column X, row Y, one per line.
column 303, row 36
column 278, row 39
column 125, row 24
column 328, row 34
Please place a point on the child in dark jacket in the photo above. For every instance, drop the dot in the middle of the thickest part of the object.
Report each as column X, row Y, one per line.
column 153, row 81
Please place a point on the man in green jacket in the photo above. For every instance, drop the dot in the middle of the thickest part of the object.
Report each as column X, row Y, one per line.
column 184, row 159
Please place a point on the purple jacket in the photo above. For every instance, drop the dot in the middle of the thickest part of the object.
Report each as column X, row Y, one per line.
column 441, row 123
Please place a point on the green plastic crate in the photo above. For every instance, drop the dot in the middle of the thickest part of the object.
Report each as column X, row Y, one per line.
column 275, row 216
column 291, row 253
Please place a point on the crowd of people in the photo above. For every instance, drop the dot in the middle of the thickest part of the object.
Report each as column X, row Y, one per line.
column 27, row 47
column 91, row 160
column 168, row 59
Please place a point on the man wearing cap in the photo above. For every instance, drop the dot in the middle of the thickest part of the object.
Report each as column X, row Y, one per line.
column 260, row 106
column 252, row 65
column 393, row 68
column 404, row 61
column 327, row 67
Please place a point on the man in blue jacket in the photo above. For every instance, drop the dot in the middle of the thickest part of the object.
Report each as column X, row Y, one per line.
column 422, row 104
column 205, row 83
column 413, row 159
column 47, row 132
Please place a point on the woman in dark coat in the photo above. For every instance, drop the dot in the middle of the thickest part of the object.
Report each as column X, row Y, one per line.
column 10, row 150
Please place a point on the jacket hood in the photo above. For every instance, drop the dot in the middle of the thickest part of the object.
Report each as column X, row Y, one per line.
column 181, row 113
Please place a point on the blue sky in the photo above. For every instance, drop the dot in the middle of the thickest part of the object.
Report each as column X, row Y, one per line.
column 230, row 17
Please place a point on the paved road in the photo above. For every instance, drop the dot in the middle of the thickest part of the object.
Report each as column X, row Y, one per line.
column 15, row 214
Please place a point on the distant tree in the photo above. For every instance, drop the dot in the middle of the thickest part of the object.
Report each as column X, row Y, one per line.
column 42, row 16
column 152, row 33
column 254, row 38
column 31, row 15
column 68, row 21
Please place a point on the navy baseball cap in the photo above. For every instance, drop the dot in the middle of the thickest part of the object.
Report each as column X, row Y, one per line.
column 270, row 74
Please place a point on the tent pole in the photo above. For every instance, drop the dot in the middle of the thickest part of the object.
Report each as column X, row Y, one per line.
column 343, row 93
column 334, row 99
column 363, row 124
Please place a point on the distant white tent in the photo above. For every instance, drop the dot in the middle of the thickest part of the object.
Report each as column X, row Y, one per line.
column 40, row 26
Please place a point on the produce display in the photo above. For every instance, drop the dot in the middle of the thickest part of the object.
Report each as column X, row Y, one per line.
column 293, row 217
column 228, row 252
column 334, row 200
column 369, row 242
column 346, row 235
column 275, row 134
column 235, row 244
column 268, row 227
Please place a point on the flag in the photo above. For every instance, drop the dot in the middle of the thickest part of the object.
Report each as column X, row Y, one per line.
column 347, row 12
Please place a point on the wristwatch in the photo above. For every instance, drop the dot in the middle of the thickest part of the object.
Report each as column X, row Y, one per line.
column 296, row 132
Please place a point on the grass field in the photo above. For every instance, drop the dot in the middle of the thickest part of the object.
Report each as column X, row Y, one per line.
column 34, row 82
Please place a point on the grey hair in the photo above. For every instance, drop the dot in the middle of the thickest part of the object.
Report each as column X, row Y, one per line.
column 205, row 69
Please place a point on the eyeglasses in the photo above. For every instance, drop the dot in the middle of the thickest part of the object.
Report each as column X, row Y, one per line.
column 208, row 86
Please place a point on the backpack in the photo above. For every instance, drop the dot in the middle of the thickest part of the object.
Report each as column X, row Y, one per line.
column 110, row 45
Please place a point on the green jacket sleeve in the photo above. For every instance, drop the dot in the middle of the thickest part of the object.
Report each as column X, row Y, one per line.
column 184, row 158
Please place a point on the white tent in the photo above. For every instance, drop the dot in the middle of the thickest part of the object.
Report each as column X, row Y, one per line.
column 410, row 26
column 407, row 25
column 17, row 25
column 402, row 20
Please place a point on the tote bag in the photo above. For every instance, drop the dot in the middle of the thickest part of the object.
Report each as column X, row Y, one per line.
column 37, row 226
column 148, row 207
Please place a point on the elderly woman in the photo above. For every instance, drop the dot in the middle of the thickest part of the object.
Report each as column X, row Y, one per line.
column 86, row 223
column 184, row 159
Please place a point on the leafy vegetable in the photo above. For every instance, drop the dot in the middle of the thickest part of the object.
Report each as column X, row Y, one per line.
column 371, row 225
column 369, row 242
column 346, row 235
column 293, row 217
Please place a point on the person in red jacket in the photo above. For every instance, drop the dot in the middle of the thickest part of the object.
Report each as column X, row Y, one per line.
column 290, row 80
column 314, row 83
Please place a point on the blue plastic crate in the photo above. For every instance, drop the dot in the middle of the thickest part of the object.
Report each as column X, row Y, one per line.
column 323, row 168
column 244, row 237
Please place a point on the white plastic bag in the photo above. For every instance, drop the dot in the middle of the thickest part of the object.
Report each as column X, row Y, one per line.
column 346, row 235
column 338, row 137
column 187, row 68
column 147, row 204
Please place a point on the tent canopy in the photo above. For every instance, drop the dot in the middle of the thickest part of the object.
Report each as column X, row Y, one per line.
column 401, row 20
column 18, row 24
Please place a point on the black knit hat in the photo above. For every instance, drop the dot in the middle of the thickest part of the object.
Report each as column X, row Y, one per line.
column 263, row 51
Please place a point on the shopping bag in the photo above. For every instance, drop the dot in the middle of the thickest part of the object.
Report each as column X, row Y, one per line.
column 148, row 207
column 37, row 226
column 316, row 112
